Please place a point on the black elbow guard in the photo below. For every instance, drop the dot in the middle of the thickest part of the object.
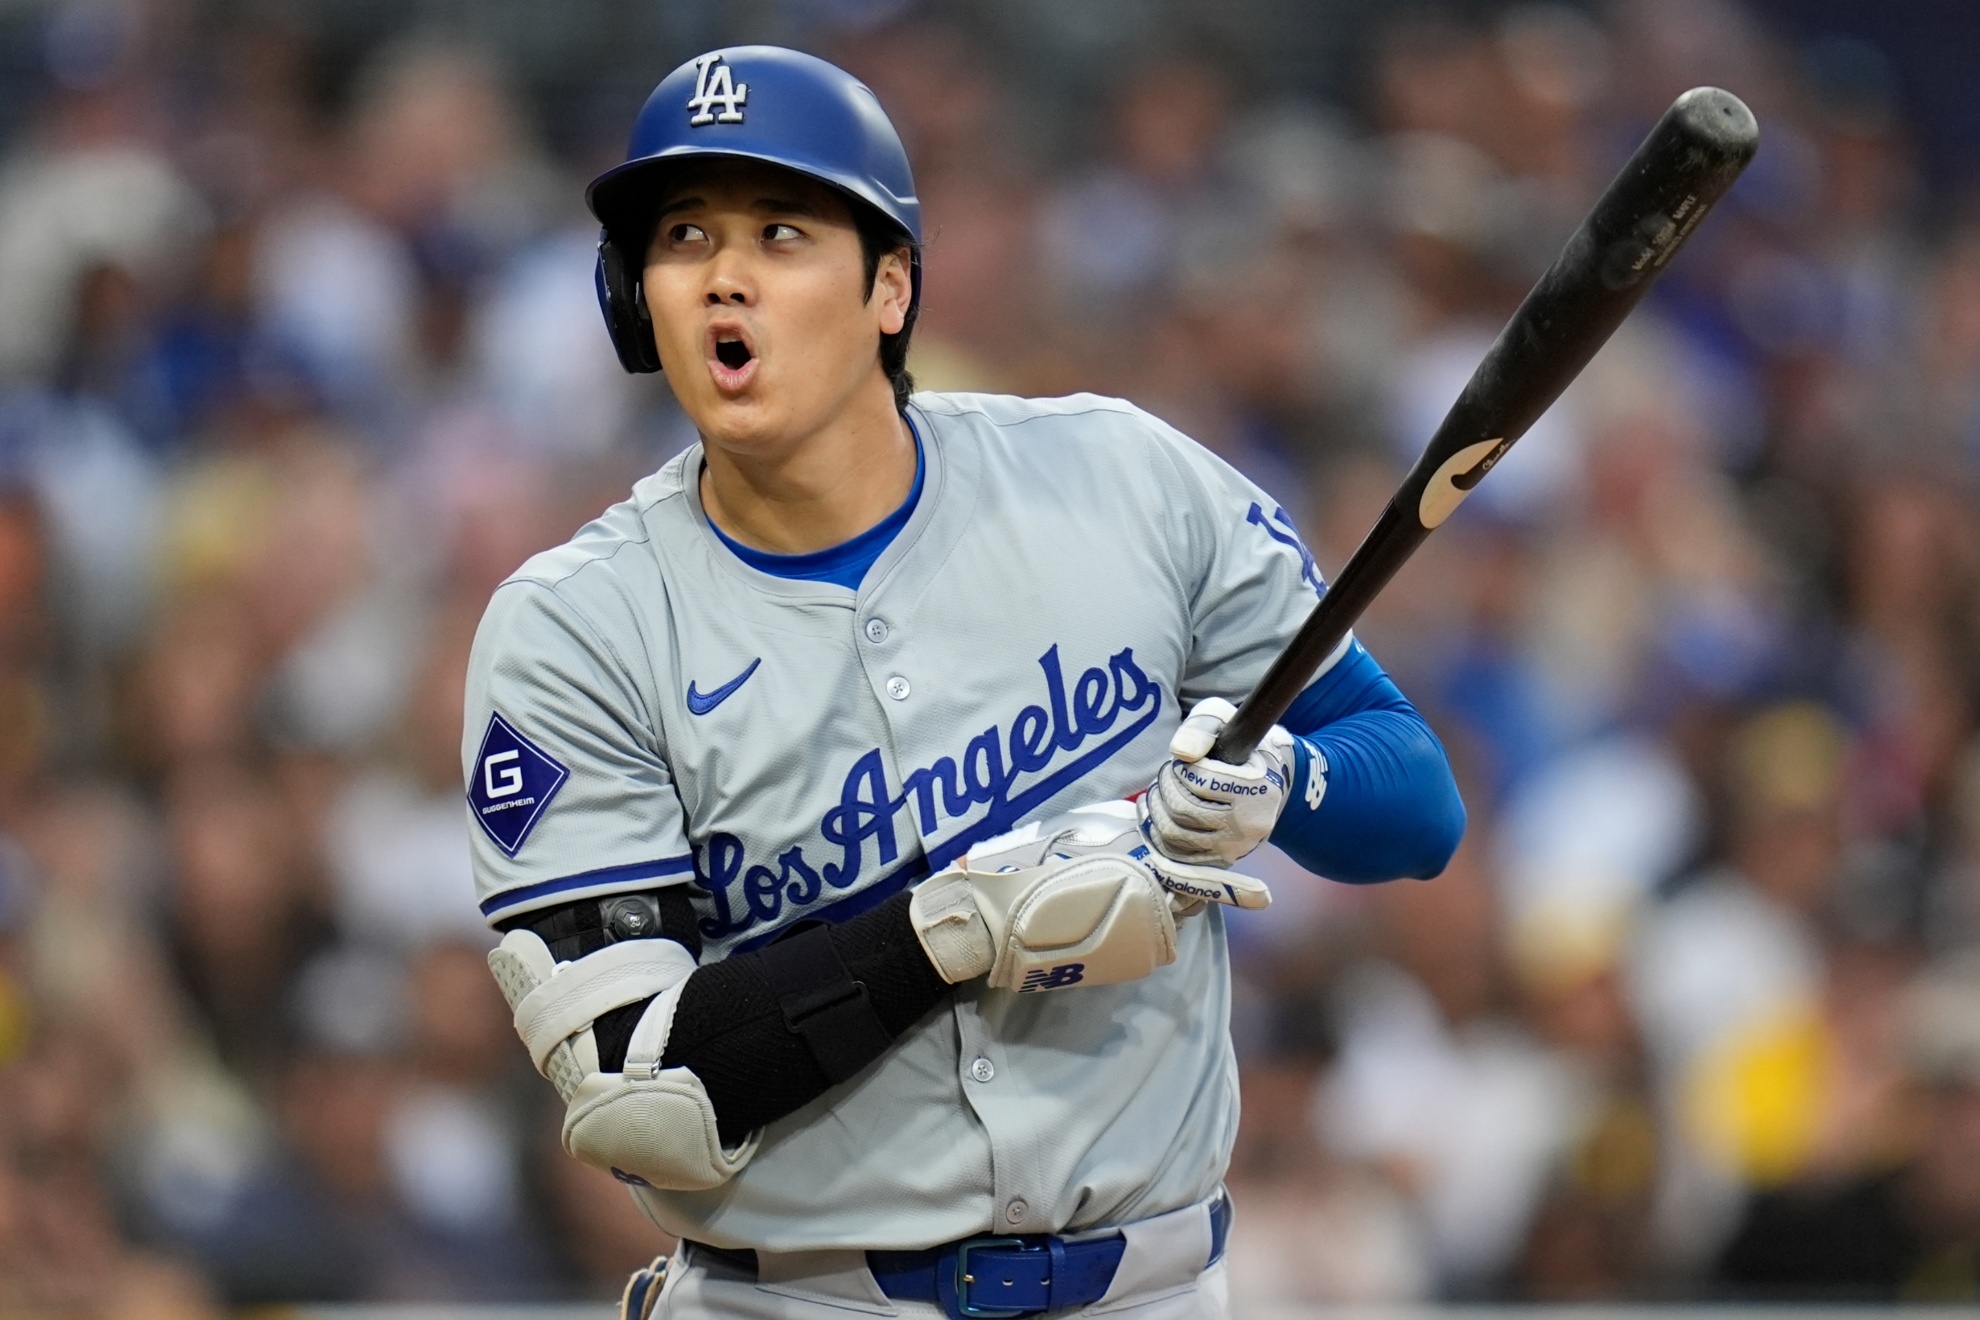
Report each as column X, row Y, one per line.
column 770, row 1031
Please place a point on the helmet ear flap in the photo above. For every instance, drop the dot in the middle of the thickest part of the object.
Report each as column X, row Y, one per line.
column 626, row 317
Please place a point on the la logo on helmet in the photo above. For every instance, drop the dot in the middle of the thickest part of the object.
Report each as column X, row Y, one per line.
column 714, row 85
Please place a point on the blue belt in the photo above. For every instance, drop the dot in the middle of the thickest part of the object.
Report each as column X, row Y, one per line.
column 998, row 1278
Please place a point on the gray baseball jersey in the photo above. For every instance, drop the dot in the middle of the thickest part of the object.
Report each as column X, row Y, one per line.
column 645, row 709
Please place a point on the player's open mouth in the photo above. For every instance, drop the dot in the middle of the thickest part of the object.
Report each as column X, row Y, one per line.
column 731, row 359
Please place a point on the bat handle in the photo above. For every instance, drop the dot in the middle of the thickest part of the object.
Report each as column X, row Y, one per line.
column 1389, row 543
column 1240, row 738
column 1280, row 687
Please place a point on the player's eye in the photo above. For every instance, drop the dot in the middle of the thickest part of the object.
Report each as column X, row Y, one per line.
column 685, row 233
column 780, row 233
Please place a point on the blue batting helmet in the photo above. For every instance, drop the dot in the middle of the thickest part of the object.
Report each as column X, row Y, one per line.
column 757, row 103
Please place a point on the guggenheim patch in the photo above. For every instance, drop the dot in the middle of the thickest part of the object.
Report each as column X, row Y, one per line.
column 513, row 782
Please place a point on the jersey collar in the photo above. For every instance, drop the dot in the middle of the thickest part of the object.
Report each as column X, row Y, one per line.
column 939, row 489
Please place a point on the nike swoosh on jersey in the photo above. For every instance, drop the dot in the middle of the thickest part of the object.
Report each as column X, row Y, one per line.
column 701, row 703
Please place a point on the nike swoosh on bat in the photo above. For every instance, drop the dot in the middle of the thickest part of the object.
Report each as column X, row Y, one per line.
column 700, row 703
column 1455, row 479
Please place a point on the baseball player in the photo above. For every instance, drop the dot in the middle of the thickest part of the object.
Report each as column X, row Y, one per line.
column 801, row 779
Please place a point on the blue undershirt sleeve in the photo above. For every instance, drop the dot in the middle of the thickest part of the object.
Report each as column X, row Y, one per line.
column 1390, row 807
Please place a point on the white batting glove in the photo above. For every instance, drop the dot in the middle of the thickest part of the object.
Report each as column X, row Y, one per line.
column 1210, row 812
column 1080, row 899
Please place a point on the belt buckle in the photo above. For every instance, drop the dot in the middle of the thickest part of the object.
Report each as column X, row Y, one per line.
column 963, row 1278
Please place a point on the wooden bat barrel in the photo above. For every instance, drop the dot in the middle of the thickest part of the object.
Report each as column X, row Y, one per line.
column 1677, row 175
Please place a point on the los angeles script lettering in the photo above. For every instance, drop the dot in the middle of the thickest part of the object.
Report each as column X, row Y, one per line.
column 743, row 894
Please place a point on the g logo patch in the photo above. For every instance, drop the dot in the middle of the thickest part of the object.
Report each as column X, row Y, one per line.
column 501, row 780
column 513, row 781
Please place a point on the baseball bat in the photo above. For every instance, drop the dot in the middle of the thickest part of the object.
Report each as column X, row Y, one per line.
column 1685, row 166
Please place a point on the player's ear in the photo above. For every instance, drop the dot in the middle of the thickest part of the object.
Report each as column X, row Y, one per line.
column 893, row 289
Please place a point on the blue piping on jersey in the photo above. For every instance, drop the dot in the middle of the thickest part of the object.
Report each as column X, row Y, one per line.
column 845, row 564
column 605, row 875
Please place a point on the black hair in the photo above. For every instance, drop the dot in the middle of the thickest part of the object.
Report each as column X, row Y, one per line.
column 878, row 236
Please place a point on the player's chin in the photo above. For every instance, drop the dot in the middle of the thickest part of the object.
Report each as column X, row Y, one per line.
column 734, row 421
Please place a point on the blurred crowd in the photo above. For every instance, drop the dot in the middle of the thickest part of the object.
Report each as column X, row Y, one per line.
column 299, row 357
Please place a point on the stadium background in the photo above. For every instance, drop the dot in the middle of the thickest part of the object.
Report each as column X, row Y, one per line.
column 298, row 357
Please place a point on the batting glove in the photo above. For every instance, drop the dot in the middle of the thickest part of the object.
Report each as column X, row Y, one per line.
column 1210, row 812
column 1080, row 899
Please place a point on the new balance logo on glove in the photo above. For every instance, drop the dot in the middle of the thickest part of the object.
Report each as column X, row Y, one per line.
column 1053, row 978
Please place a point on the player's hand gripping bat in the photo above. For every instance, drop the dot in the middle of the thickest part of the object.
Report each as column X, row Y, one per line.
column 1685, row 166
